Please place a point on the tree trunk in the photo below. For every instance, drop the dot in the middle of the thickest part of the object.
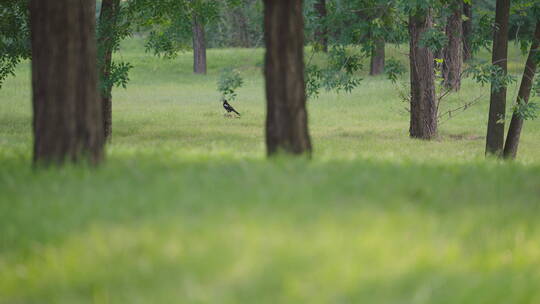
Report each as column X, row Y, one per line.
column 286, row 117
column 377, row 58
column 423, row 122
column 467, row 32
column 321, row 33
column 242, row 34
column 497, row 104
column 199, row 46
column 67, row 118
column 514, row 132
column 107, row 22
column 453, row 52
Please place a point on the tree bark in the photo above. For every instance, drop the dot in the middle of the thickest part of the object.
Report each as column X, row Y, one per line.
column 497, row 104
column 467, row 32
column 321, row 33
column 377, row 58
column 286, row 117
column 199, row 46
column 67, row 120
column 107, row 22
column 514, row 131
column 423, row 123
column 453, row 52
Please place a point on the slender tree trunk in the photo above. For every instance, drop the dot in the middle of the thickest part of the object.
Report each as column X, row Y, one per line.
column 199, row 46
column 106, row 109
column 467, row 31
column 286, row 117
column 242, row 28
column 67, row 115
column 423, row 122
column 107, row 22
column 514, row 132
column 377, row 58
column 497, row 104
column 453, row 52
column 321, row 34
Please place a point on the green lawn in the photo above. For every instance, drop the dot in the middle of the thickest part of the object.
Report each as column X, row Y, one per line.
column 188, row 210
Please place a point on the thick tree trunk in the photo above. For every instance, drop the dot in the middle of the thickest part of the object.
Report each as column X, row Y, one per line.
column 286, row 117
column 107, row 22
column 514, row 132
column 67, row 116
column 497, row 104
column 467, row 31
column 199, row 46
column 321, row 34
column 453, row 52
column 423, row 122
column 377, row 58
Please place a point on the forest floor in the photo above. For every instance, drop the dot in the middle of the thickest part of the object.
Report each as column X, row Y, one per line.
column 187, row 209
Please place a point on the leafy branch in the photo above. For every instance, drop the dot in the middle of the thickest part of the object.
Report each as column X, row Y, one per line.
column 229, row 81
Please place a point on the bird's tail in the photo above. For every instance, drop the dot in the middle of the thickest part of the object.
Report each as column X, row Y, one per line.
column 236, row 112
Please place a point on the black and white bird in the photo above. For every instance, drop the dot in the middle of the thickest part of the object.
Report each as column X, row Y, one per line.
column 229, row 108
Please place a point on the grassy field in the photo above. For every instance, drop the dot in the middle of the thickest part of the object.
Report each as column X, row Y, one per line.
column 188, row 210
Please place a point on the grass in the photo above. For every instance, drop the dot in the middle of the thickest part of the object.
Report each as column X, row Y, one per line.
column 188, row 210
